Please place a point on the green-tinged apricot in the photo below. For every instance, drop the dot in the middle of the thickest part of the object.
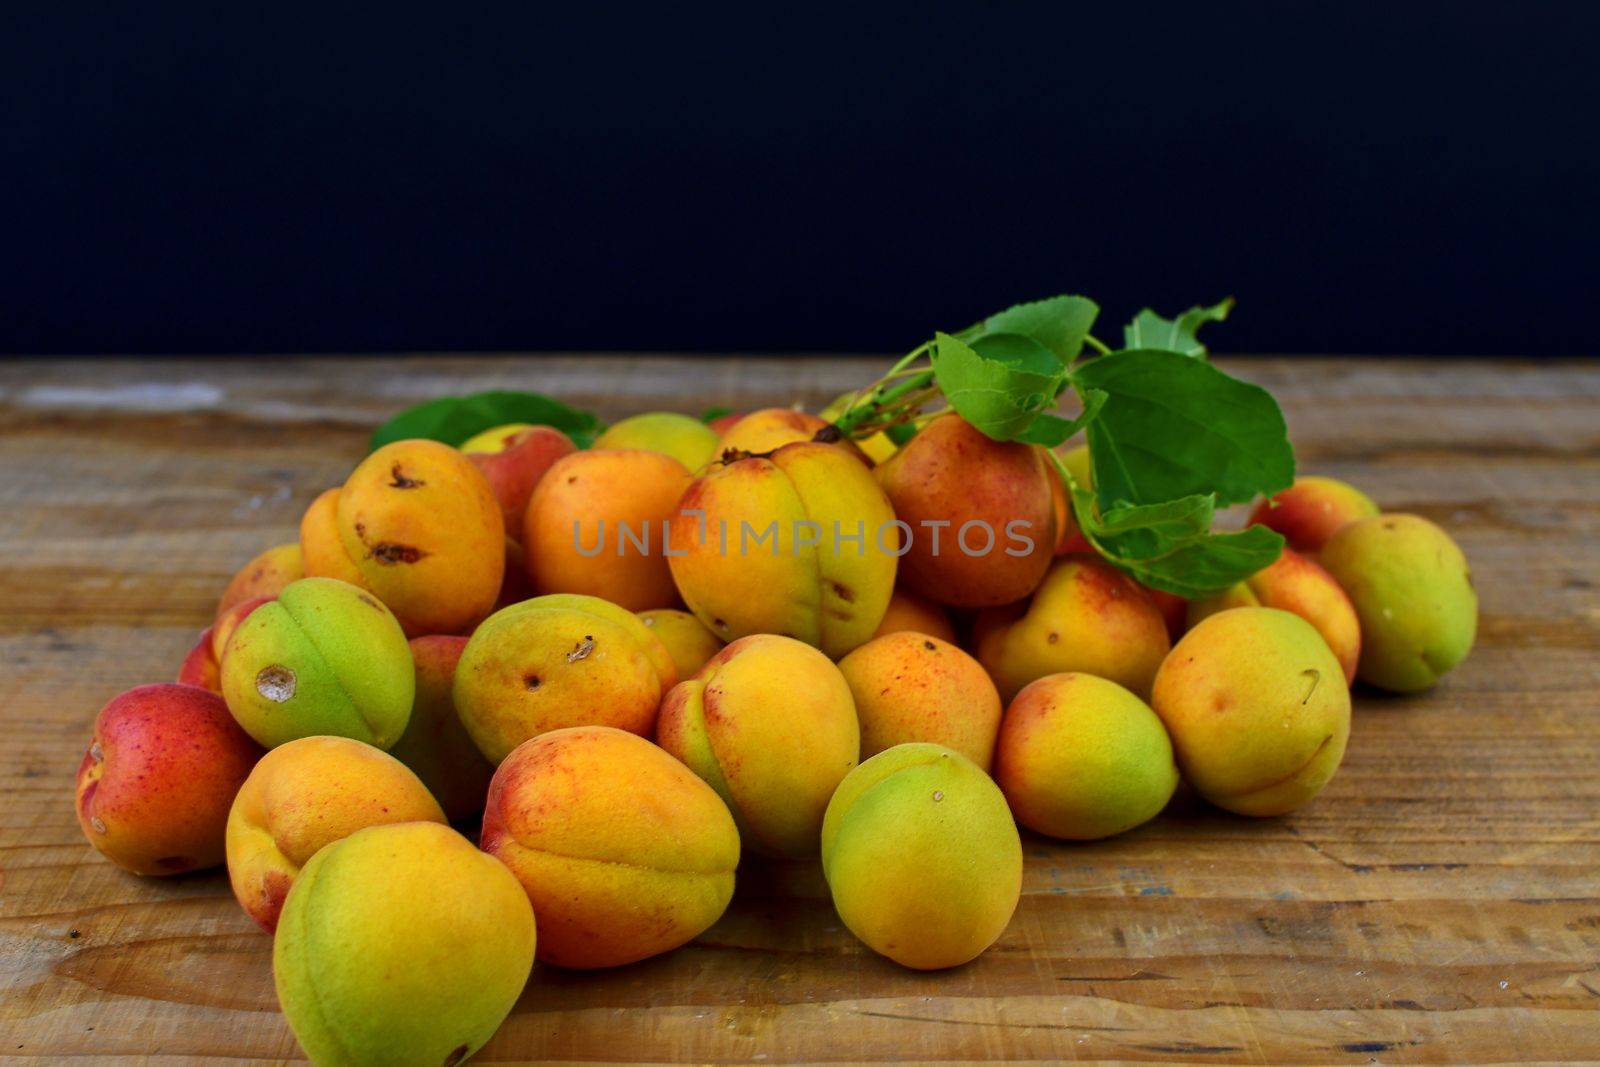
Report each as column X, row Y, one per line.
column 688, row 641
column 1086, row 617
column 263, row 577
column 770, row 724
column 911, row 687
column 596, row 526
column 229, row 621
column 981, row 513
column 302, row 796
column 686, row 439
column 1082, row 758
column 1312, row 510
column 801, row 544
column 1295, row 583
column 436, row 745
column 622, row 850
column 495, row 438
column 1413, row 592
column 423, row 526
column 908, row 611
column 514, row 471
column 557, row 661
column 400, row 945
column 1255, row 704
column 155, row 784
column 323, row 658
column 921, row 856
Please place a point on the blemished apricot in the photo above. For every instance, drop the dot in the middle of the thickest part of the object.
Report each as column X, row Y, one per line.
column 1255, row 704
column 770, row 724
column 911, row 687
column 622, row 850
column 921, row 856
column 161, row 770
column 302, row 796
column 1086, row 617
column 597, row 524
column 981, row 513
column 801, row 543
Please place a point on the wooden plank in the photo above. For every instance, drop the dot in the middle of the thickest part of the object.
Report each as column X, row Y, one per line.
column 1440, row 902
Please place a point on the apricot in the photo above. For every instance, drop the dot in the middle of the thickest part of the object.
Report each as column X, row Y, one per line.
column 556, row 661
column 1252, row 700
column 908, row 611
column 622, row 850
column 304, row 795
column 323, row 658
column 200, row 667
column 435, row 744
column 687, row 440
column 688, row 641
column 921, row 856
column 229, row 621
column 515, row 586
column 911, row 687
column 1295, row 583
column 800, row 543
column 1312, row 510
column 264, row 576
column 514, row 470
column 161, row 769
column 1081, row 758
column 401, row 945
column 981, row 514
column 597, row 525
column 770, row 724
column 321, row 548
column 1412, row 591
column 423, row 526
column 1087, row 617
column 1174, row 610
column 769, row 429
column 495, row 438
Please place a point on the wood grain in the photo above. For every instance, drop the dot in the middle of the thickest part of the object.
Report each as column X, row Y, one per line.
column 1439, row 903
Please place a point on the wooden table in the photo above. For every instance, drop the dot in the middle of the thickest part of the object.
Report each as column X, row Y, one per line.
column 1439, row 902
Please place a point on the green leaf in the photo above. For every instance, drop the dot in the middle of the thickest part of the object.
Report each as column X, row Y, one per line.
column 1000, row 383
column 1059, row 323
column 1210, row 564
column 1149, row 330
column 713, row 414
column 453, row 419
column 1051, row 430
column 1172, row 427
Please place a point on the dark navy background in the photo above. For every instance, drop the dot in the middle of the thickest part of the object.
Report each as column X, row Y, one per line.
column 1388, row 178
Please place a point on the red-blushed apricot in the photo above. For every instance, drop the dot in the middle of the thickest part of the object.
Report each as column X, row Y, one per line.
column 1413, row 593
column 1256, row 707
column 981, row 514
column 908, row 611
column 1082, row 758
column 1174, row 610
column 302, row 796
column 1295, row 583
column 401, row 946
column 229, row 621
column 921, row 857
column 596, row 526
column 422, row 525
column 516, row 469
column 321, row 549
column 495, row 438
column 911, row 687
column 557, row 661
column 801, row 543
column 263, row 577
column 323, row 658
column 1312, row 510
column 622, row 850
column 200, row 667
column 435, row 744
column 684, row 438
column 161, row 771
column 1086, row 617
column 770, row 724
column 688, row 641
column 768, row 430
column 516, row 586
